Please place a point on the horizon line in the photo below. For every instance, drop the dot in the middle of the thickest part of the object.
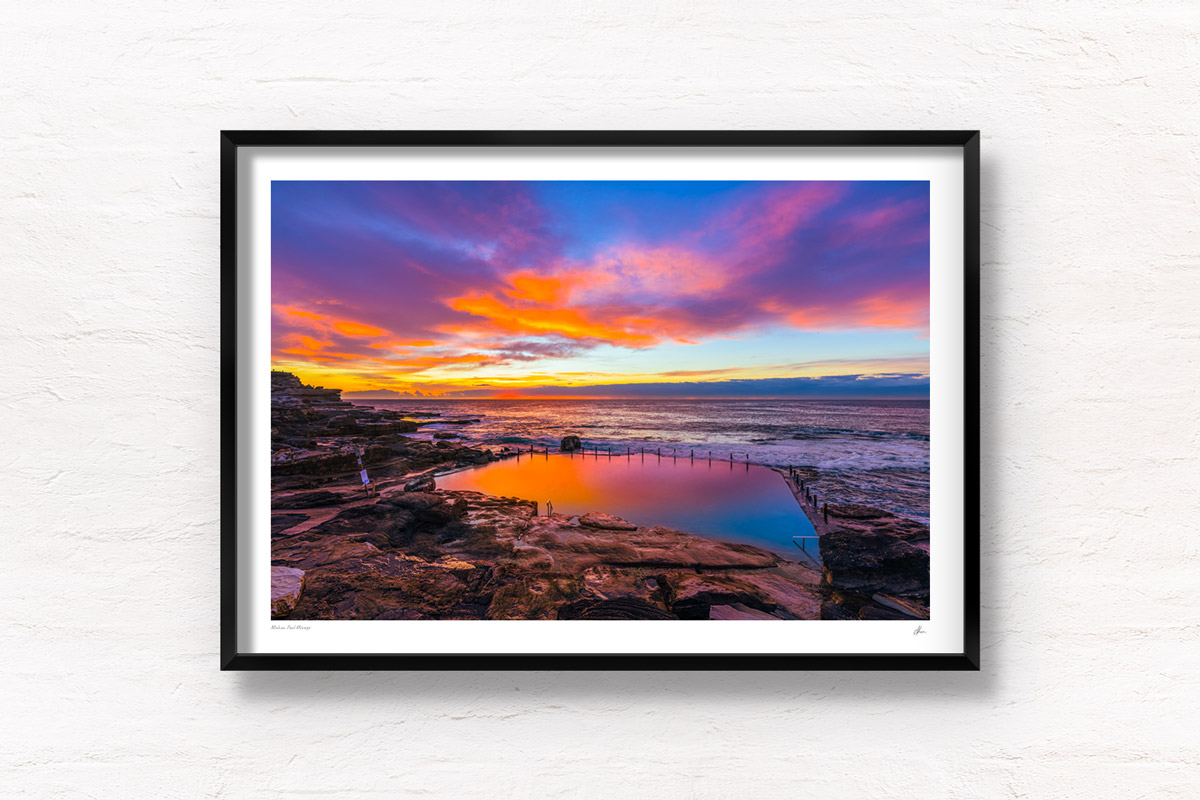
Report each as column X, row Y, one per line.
column 655, row 397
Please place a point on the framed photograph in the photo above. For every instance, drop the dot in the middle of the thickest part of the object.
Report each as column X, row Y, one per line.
column 600, row 400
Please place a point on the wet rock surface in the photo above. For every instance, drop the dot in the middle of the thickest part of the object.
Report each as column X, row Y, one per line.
column 609, row 522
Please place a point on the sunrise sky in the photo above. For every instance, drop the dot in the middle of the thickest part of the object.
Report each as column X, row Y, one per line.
column 490, row 289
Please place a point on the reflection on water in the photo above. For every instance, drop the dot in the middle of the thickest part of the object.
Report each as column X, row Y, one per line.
column 722, row 501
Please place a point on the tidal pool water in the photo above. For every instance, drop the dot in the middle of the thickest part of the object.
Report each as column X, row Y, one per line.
column 738, row 502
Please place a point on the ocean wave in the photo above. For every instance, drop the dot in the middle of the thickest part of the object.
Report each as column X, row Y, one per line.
column 817, row 432
column 515, row 440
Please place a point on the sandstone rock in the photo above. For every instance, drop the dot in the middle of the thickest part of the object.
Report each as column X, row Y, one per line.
column 309, row 553
column 868, row 552
column 342, row 421
column 795, row 590
column 621, row 608
column 310, row 462
column 455, row 564
column 911, row 609
column 421, row 483
column 570, row 443
column 606, row 522
column 428, row 509
column 533, row 597
column 390, row 426
column 285, row 384
column 738, row 611
column 835, row 611
column 281, row 522
column 283, row 381
column 872, row 611
column 692, row 596
column 306, row 500
column 850, row 511
column 444, row 435
column 401, row 613
column 286, row 587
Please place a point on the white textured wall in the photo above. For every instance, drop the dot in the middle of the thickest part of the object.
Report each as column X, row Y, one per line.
column 109, row 330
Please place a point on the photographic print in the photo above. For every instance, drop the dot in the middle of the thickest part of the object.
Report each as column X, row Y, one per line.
column 566, row 400
column 537, row 399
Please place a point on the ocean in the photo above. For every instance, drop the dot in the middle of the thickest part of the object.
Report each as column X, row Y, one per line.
column 874, row 452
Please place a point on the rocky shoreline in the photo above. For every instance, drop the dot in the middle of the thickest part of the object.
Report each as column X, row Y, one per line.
column 412, row 551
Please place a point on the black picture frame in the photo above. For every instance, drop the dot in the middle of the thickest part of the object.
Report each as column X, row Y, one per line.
column 232, row 140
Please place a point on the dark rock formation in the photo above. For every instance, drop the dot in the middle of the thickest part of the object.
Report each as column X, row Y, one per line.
column 313, row 462
column 316, row 436
column 621, row 608
column 570, row 443
column 876, row 563
column 421, row 483
column 280, row 522
column 306, row 500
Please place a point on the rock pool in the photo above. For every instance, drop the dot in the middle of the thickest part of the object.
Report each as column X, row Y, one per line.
column 738, row 502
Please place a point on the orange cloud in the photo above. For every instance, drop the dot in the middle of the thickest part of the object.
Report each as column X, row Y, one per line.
column 396, row 344
column 536, row 288
column 325, row 323
column 542, row 321
column 357, row 329
column 312, row 344
column 580, row 302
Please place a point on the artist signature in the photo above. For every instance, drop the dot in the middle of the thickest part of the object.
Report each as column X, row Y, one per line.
column 919, row 631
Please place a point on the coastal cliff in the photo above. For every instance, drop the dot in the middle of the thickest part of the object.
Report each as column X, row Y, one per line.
column 318, row 438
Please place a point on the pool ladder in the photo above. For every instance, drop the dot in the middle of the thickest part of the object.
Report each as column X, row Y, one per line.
column 804, row 548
